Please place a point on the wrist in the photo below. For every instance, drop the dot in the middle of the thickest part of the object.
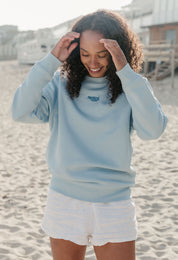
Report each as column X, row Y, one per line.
column 120, row 66
column 54, row 54
column 50, row 63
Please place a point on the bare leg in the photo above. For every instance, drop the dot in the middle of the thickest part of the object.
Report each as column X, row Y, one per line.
column 67, row 250
column 116, row 251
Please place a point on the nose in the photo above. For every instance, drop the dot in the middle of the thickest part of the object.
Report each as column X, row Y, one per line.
column 93, row 62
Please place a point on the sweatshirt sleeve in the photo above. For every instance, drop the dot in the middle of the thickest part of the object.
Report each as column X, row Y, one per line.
column 31, row 102
column 148, row 118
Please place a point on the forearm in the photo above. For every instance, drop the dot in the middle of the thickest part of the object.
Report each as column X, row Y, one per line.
column 149, row 119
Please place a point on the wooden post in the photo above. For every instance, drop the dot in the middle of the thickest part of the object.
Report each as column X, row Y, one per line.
column 172, row 66
column 146, row 66
column 158, row 62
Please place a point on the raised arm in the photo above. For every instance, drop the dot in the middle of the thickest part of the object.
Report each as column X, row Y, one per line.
column 148, row 118
column 29, row 95
column 30, row 104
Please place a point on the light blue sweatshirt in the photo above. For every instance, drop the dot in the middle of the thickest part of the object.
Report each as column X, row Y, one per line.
column 89, row 152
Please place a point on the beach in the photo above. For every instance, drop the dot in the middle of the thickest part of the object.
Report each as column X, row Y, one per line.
column 24, row 179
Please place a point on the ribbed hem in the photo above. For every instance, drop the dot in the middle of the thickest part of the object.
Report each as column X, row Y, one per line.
column 127, row 74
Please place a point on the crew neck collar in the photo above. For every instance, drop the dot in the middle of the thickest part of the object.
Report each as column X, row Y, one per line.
column 96, row 80
column 94, row 84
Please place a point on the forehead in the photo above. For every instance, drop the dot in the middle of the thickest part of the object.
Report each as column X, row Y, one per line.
column 89, row 40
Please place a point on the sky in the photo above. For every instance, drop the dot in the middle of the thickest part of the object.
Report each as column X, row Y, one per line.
column 36, row 14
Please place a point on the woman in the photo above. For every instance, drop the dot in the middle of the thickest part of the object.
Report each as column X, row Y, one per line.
column 92, row 105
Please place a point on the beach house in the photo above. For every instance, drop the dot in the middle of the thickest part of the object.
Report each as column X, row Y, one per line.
column 156, row 23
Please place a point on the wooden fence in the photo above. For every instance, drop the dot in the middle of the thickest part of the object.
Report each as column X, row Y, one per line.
column 165, row 57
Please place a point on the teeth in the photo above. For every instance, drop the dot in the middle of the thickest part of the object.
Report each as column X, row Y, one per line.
column 95, row 69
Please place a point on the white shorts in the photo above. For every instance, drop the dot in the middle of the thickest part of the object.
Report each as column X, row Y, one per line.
column 87, row 223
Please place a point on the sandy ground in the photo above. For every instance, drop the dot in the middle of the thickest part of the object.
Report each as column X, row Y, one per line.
column 24, row 180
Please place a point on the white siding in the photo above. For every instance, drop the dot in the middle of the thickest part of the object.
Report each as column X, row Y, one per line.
column 175, row 10
column 165, row 11
column 7, row 52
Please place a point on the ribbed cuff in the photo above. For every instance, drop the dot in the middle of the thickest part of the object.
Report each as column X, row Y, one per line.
column 127, row 73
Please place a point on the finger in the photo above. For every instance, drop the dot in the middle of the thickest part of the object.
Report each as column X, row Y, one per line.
column 70, row 36
column 109, row 48
column 66, row 39
column 74, row 34
column 72, row 47
column 107, row 44
column 110, row 42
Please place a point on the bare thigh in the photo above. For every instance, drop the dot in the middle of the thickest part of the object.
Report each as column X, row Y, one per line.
column 116, row 251
column 67, row 250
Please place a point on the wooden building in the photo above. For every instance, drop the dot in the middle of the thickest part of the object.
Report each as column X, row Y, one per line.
column 162, row 51
column 164, row 26
column 156, row 23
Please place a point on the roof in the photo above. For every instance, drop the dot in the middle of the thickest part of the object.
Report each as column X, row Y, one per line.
column 160, row 25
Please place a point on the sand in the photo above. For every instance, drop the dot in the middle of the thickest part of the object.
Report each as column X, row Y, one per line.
column 24, row 180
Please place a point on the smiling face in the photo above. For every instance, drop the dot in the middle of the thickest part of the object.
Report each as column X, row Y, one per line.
column 93, row 54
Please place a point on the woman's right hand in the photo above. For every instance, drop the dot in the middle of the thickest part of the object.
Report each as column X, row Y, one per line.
column 62, row 49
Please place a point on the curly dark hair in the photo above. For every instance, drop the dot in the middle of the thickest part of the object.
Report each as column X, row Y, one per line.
column 112, row 26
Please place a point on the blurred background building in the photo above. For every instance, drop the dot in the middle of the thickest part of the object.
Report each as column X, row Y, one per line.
column 155, row 22
column 139, row 15
column 30, row 51
column 8, row 48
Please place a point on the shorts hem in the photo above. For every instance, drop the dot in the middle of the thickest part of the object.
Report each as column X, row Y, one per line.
column 102, row 243
column 65, row 237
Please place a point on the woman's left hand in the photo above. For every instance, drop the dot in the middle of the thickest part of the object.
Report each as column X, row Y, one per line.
column 117, row 54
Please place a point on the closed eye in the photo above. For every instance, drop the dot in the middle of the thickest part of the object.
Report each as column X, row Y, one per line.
column 85, row 55
column 99, row 56
column 104, row 56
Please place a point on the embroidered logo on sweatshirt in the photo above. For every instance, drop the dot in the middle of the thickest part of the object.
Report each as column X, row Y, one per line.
column 94, row 99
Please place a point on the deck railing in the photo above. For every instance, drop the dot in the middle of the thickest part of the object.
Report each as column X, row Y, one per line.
column 159, row 53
